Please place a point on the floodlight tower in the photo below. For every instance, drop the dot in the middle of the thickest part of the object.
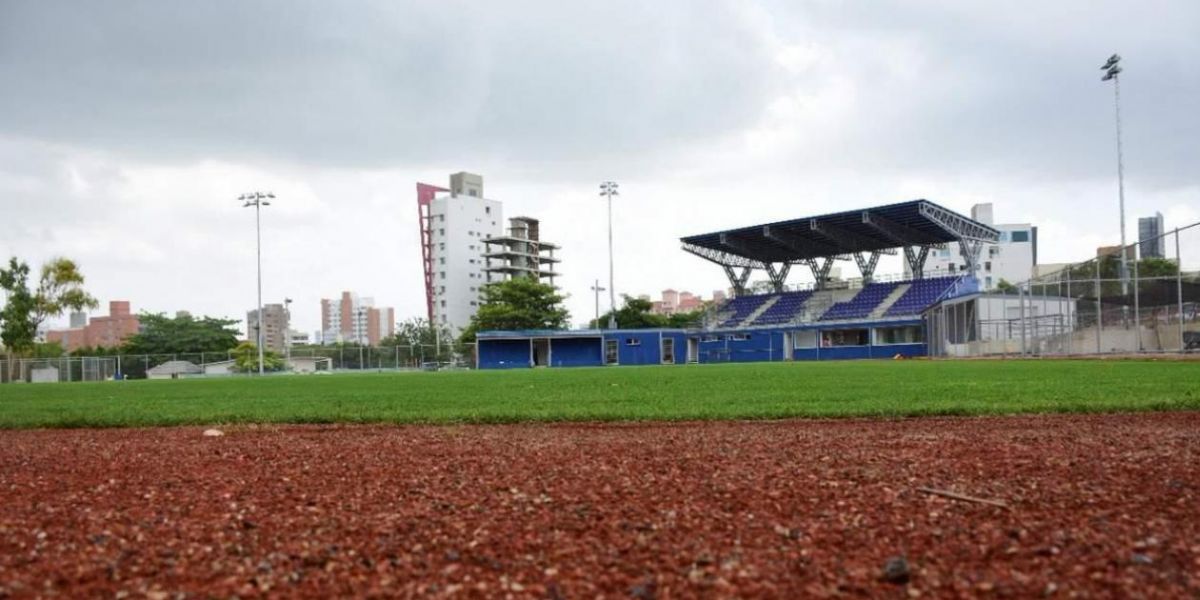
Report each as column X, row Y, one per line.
column 258, row 200
column 609, row 189
column 1112, row 71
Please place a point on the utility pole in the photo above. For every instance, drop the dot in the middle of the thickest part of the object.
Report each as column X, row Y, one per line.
column 609, row 189
column 596, row 289
column 258, row 200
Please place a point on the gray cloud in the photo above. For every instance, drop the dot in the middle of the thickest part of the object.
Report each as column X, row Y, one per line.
column 378, row 83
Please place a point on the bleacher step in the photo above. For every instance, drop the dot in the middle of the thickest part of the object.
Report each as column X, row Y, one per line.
column 889, row 301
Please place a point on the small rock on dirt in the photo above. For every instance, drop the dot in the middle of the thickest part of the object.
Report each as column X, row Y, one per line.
column 895, row 570
column 213, row 433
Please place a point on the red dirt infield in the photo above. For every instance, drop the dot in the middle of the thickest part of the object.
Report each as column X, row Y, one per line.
column 1100, row 505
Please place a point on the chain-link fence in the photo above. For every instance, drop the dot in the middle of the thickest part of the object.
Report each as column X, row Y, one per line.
column 321, row 359
column 1144, row 299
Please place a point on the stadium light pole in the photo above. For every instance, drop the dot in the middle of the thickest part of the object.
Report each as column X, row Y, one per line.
column 287, row 330
column 596, row 289
column 609, row 189
column 1112, row 71
column 258, row 199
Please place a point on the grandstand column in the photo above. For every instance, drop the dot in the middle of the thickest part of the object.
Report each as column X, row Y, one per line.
column 738, row 282
column 820, row 272
column 969, row 249
column 866, row 266
column 778, row 278
column 916, row 260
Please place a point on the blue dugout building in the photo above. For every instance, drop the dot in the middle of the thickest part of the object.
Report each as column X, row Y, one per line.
column 865, row 318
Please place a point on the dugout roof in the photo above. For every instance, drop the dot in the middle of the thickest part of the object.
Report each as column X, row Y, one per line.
column 913, row 223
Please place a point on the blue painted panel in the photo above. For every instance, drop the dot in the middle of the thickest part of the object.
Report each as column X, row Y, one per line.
column 503, row 354
column 891, row 350
column 644, row 352
column 845, row 352
column 576, row 352
column 806, row 354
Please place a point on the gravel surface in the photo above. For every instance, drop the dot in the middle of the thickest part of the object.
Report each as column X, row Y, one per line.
column 1102, row 506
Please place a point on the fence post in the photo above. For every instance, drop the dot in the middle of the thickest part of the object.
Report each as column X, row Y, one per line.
column 1070, row 316
column 1021, row 303
column 1179, row 289
column 1137, row 306
column 1099, row 310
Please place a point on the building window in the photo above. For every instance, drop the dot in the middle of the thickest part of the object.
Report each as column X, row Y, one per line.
column 441, row 218
column 711, row 338
column 738, row 337
column 1020, row 236
column 487, row 209
column 987, row 266
column 471, row 260
column 473, row 303
column 610, row 352
column 908, row 334
column 953, row 267
column 806, row 338
column 633, row 342
column 472, row 288
column 442, row 274
column 441, row 232
column 442, row 260
column 844, row 337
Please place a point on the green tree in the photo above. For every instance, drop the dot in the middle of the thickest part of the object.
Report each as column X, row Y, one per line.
column 519, row 303
column 60, row 288
column 418, row 339
column 16, row 329
column 161, row 334
column 1004, row 286
column 245, row 359
column 636, row 313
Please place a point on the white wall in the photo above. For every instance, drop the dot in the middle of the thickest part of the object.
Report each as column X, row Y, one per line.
column 460, row 224
column 1008, row 260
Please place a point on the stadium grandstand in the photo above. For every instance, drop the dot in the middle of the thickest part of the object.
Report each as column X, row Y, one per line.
column 828, row 318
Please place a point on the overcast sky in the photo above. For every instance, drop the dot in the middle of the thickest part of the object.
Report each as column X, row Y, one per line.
column 128, row 129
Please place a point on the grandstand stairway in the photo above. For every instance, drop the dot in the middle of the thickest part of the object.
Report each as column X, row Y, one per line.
column 889, row 301
column 762, row 308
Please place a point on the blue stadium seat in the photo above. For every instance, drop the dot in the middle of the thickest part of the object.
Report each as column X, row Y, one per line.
column 920, row 296
column 861, row 305
column 784, row 310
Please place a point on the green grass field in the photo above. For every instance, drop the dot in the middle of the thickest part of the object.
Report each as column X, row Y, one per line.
column 745, row 391
column 709, row 391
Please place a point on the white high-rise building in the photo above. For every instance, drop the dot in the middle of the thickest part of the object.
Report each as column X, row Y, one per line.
column 455, row 224
column 1012, row 259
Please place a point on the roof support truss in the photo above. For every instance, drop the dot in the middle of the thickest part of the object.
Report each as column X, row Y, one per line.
column 836, row 235
column 958, row 225
column 902, row 235
column 721, row 258
column 797, row 243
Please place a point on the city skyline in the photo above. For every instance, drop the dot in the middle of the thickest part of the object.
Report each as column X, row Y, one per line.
column 740, row 114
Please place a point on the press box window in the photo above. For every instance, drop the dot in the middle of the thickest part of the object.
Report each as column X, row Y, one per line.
column 633, row 342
